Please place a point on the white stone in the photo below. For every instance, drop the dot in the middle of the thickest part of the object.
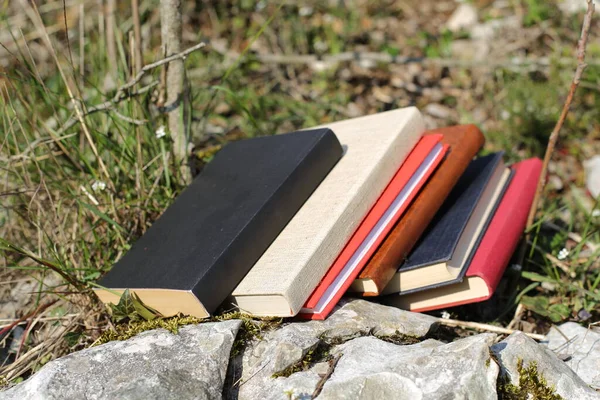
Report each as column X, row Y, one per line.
column 464, row 17
column 592, row 175
column 571, row 7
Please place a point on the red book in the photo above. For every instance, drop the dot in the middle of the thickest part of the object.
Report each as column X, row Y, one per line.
column 398, row 195
column 494, row 251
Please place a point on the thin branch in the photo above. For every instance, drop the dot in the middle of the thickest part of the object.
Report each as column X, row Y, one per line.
column 123, row 93
column 149, row 67
column 581, row 47
column 485, row 327
column 386, row 58
column 106, row 106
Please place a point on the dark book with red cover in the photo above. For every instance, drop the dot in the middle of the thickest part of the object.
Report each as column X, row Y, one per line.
column 402, row 189
column 464, row 141
column 494, row 251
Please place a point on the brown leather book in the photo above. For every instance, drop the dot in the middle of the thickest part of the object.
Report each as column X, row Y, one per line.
column 465, row 141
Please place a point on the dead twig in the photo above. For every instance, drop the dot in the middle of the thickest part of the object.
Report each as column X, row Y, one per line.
column 332, row 363
column 39, row 309
column 581, row 65
column 485, row 327
column 123, row 92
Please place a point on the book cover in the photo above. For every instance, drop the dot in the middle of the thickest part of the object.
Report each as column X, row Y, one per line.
column 442, row 253
column 399, row 193
column 195, row 254
column 494, row 251
column 464, row 142
column 291, row 268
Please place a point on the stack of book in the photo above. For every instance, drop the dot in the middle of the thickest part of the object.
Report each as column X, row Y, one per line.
column 374, row 206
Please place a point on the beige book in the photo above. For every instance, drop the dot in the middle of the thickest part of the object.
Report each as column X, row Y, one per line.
column 374, row 148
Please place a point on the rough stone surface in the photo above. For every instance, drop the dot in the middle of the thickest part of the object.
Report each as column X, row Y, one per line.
column 370, row 368
column 355, row 316
column 283, row 348
column 152, row 365
column 519, row 346
column 581, row 351
column 464, row 17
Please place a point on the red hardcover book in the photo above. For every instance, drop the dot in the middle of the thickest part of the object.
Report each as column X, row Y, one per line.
column 399, row 193
column 494, row 251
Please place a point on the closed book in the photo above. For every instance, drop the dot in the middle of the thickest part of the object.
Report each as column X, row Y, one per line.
column 464, row 141
column 494, row 251
column 404, row 186
column 288, row 272
column 443, row 252
column 195, row 254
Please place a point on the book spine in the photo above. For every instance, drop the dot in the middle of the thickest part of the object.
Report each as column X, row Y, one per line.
column 508, row 223
column 464, row 143
column 268, row 222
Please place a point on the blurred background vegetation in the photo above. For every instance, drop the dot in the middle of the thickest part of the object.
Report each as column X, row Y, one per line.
column 76, row 191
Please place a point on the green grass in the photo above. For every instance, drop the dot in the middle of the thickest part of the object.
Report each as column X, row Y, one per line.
column 54, row 216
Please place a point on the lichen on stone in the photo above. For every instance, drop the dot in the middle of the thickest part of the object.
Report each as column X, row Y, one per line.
column 532, row 385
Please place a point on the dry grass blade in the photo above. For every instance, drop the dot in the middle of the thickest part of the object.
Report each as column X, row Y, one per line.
column 37, row 20
column 485, row 327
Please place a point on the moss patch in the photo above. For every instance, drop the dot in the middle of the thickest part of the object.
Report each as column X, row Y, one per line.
column 400, row 339
column 127, row 330
column 532, row 385
column 252, row 328
column 320, row 353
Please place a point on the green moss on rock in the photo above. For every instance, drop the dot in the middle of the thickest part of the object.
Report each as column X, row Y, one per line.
column 127, row 330
column 532, row 385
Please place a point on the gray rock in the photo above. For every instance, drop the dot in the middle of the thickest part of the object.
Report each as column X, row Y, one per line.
column 370, row 368
column 464, row 17
column 286, row 347
column 581, row 350
column 152, row 365
column 519, row 346
column 355, row 316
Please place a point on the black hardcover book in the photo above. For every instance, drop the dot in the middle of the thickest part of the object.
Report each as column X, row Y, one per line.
column 197, row 252
column 444, row 251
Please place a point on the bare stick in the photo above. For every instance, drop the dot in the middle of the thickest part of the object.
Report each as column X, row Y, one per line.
column 111, row 47
column 137, row 31
column 177, row 100
column 485, row 327
column 581, row 46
